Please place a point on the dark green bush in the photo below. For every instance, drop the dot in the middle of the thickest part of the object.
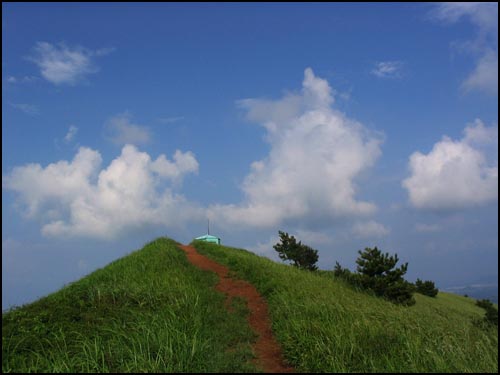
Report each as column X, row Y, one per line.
column 491, row 316
column 426, row 288
column 484, row 303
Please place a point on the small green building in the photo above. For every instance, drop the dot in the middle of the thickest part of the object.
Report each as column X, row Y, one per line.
column 209, row 238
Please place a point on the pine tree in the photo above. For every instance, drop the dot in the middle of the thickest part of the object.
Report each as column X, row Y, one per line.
column 379, row 274
column 301, row 256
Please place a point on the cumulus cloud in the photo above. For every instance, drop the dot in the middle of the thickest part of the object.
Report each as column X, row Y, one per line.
column 120, row 130
column 370, row 229
column 183, row 163
column 388, row 69
column 316, row 155
column 70, row 135
column 77, row 198
column 455, row 174
column 484, row 16
column 477, row 133
column 65, row 65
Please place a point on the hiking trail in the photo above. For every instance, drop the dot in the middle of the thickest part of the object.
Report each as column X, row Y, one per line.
column 266, row 348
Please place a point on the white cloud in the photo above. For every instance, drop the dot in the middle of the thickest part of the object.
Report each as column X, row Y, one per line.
column 485, row 75
column 78, row 199
column 316, row 154
column 65, row 65
column 58, row 183
column 70, row 135
column 313, row 238
column 29, row 109
column 11, row 79
column 388, row 69
column 183, row 163
column 370, row 229
column 477, row 133
column 266, row 248
column 454, row 174
column 484, row 16
column 120, row 130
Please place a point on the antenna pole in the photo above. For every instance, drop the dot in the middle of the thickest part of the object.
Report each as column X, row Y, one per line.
column 208, row 226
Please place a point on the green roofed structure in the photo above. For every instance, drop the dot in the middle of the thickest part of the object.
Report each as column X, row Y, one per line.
column 207, row 237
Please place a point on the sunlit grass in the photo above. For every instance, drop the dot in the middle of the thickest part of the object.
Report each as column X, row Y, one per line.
column 151, row 311
column 324, row 325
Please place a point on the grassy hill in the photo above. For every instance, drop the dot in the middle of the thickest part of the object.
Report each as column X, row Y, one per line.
column 324, row 325
column 153, row 311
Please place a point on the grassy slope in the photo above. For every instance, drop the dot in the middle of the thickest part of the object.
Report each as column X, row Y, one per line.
column 325, row 326
column 151, row 311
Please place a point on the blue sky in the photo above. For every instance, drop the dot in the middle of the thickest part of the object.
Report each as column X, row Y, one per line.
column 347, row 125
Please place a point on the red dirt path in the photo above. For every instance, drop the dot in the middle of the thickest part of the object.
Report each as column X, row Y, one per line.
column 267, row 349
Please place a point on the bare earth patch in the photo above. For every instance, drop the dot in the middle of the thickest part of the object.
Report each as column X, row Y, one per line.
column 267, row 349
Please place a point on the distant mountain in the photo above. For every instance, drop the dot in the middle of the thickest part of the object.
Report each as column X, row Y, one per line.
column 477, row 291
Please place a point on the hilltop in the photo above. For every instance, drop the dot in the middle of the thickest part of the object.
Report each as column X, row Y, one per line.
column 154, row 311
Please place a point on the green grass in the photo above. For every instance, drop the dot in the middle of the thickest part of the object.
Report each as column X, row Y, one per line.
column 324, row 325
column 151, row 311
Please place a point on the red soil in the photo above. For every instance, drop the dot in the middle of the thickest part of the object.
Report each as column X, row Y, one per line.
column 267, row 349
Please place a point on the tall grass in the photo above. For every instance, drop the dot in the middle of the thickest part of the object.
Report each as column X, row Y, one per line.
column 151, row 311
column 324, row 325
